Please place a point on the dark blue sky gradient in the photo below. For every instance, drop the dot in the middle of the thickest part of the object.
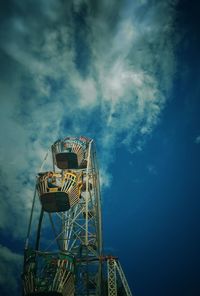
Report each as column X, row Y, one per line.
column 154, row 216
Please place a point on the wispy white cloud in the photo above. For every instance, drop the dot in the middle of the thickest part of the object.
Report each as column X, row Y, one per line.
column 152, row 169
column 118, row 100
column 197, row 140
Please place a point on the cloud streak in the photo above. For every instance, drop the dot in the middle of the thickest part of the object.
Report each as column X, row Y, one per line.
column 78, row 68
column 197, row 140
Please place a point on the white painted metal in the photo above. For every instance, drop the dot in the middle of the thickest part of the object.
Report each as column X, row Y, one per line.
column 123, row 278
column 112, row 279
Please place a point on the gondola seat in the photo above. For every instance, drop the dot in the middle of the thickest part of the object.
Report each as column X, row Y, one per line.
column 55, row 201
column 67, row 160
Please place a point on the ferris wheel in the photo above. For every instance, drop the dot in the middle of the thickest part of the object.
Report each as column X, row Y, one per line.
column 63, row 251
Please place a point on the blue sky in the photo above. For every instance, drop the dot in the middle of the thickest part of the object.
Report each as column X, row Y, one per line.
column 126, row 74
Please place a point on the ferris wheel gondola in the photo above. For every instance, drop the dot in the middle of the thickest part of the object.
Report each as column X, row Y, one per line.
column 63, row 257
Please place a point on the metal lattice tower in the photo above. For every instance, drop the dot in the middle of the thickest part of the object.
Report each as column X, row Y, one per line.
column 63, row 256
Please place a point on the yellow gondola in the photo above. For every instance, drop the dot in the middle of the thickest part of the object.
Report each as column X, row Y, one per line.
column 59, row 192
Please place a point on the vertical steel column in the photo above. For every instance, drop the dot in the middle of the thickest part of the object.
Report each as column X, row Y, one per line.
column 112, row 279
column 87, row 193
